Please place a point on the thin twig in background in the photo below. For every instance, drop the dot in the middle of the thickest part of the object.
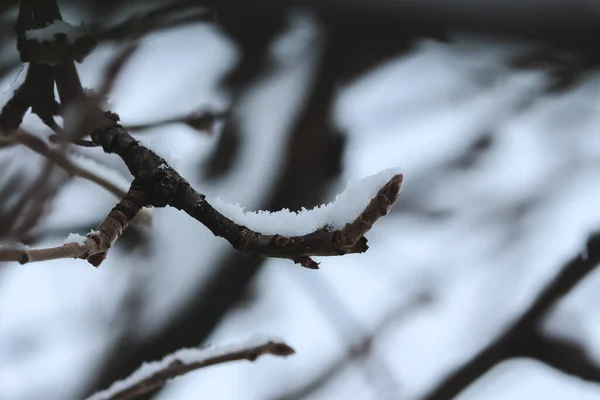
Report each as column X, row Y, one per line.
column 202, row 121
column 39, row 146
column 169, row 16
column 154, row 375
column 516, row 340
column 360, row 350
column 61, row 160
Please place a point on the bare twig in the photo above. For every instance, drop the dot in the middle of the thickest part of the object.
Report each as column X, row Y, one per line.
column 564, row 355
column 19, row 215
column 60, row 159
column 182, row 362
column 170, row 15
column 360, row 350
column 202, row 121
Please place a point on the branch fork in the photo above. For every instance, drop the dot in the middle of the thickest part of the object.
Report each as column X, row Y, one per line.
column 156, row 184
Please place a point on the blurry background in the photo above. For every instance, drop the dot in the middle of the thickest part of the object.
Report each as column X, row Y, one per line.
column 491, row 109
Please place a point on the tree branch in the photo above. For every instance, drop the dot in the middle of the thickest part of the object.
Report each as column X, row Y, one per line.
column 157, row 184
column 517, row 338
column 155, row 375
column 164, row 186
column 58, row 158
column 201, row 121
column 566, row 356
column 98, row 242
column 61, row 160
column 360, row 350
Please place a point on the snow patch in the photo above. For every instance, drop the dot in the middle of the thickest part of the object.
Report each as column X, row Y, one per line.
column 58, row 27
column 75, row 238
column 344, row 209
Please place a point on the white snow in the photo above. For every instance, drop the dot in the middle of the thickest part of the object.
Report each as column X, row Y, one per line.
column 75, row 238
column 186, row 356
column 58, row 27
column 14, row 246
column 344, row 209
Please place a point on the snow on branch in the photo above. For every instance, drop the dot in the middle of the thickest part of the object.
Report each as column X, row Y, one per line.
column 58, row 43
column 95, row 245
column 56, row 29
column 332, row 230
column 344, row 209
column 153, row 375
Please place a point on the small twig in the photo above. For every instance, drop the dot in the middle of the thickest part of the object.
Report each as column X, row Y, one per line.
column 152, row 376
column 78, row 142
column 98, row 242
column 168, row 16
column 201, row 121
column 359, row 350
column 163, row 186
column 296, row 248
column 60, row 159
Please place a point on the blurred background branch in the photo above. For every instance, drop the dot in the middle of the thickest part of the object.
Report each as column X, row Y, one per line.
column 491, row 109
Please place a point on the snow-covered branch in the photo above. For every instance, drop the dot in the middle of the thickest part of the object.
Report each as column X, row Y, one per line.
column 55, row 30
column 165, row 187
column 92, row 248
column 331, row 230
column 151, row 376
column 59, row 42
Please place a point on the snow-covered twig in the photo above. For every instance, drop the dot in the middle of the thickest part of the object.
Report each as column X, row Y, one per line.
column 151, row 376
column 96, row 244
column 164, row 186
column 157, row 184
